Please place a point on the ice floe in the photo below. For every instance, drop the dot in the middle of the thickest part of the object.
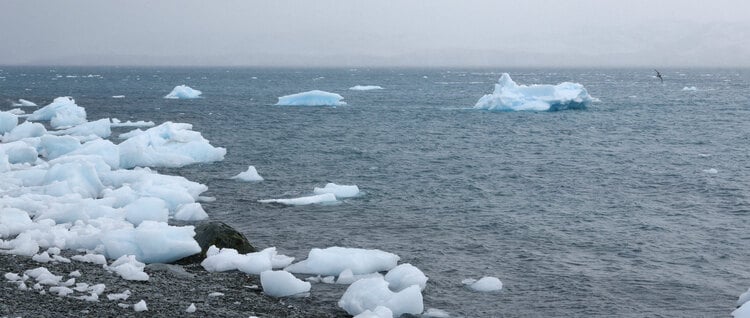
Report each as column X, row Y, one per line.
column 313, row 199
column 340, row 191
column 690, row 88
column 485, row 284
column 250, row 175
column 183, row 92
column 364, row 87
column 312, row 98
column 24, row 103
column 226, row 259
column 509, row 96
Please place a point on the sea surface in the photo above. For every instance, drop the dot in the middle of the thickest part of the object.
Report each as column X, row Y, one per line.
column 611, row 211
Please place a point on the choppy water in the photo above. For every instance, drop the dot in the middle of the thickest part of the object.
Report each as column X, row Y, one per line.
column 606, row 211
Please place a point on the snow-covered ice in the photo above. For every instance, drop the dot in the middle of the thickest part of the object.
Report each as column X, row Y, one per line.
column 313, row 199
column 364, row 87
column 334, row 260
column 509, row 96
column 340, row 191
column 183, row 92
column 282, row 284
column 485, row 284
column 250, row 175
column 312, row 98
column 368, row 294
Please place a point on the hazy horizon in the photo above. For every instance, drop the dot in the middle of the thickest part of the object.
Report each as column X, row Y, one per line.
column 439, row 33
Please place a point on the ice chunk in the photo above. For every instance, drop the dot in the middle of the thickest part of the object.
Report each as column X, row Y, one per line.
column 148, row 208
column 435, row 313
column 74, row 177
column 151, row 242
column 61, row 290
column 183, row 92
column 742, row 312
column 14, row 221
column 379, row 312
column 8, row 121
column 52, row 147
column 689, row 88
column 167, row 145
column 368, row 294
column 215, row 294
column 119, row 296
column 62, row 112
column 25, row 103
column 191, row 212
column 117, row 123
column 744, row 297
column 314, row 199
column 509, row 96
column 340, row 191
column 250, row 175
column 129, row 268
column 312, row 98
column 485, row 284
column 90, row 258
column 75, row 273
column 711, row 171
column 100, row 128
column 25, row 130
column 190, row 308
column 405, row 275
column 140, row 306
column 43, row 276
column 41, row 258
column 334, row 260
column 118, row 96
column 227, row 259
column 364, row 87
column 19, row 152
column 282, row 284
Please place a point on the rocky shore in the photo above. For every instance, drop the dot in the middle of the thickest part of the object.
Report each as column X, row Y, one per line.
column 168, row 293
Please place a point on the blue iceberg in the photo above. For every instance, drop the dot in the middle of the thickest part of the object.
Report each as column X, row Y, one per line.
column 509, row 96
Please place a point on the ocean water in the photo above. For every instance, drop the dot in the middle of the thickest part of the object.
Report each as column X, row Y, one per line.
column 609, row 211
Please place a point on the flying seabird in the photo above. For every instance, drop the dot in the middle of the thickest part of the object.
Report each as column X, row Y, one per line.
column 658, row 75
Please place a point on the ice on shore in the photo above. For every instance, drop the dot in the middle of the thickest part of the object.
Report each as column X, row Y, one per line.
column 140, row 306
column 405, row 275
column 282, row 284
column 183, row 92
column 8, row 121
column 509, row 96
column 227, row 259
column 314, row 199
column 378, row 312
column 250, row 175
column 365, row 87
column 312, row 98
column 340, row 191
column 167, row 145
column 368, row 294
column 485, row 284
column 129, row 268
column 190, row 308
column 334, row 260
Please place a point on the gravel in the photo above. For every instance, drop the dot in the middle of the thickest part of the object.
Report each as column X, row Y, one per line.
column 168, row 293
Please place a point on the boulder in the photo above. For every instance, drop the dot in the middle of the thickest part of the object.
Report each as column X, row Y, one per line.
column 220, row 234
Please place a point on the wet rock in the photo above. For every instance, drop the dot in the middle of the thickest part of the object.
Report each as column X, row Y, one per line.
column 220, row 234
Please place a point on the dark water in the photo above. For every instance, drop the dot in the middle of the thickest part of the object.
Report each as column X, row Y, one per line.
column 599, row 212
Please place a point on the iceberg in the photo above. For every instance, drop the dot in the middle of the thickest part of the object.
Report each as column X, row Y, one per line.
column 183, row 92
column 485, row 284
column 8, row 121
column 312, row 98
column 167, row 145
column 364, row 87
column 249, row 176
column 340, row 191
column 405, row 275
column 62, row 112
column 509, row 96
column 313, row 199
column 334, row 260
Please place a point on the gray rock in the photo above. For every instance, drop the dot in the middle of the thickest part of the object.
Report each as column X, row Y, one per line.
column 220, row 234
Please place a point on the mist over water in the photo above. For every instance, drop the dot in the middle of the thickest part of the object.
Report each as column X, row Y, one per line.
column 611, row 210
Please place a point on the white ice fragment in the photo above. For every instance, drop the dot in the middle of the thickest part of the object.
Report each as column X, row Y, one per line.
column 25, row 130
column 61, row 290
column 140, row 306
column 312, row 98
column 485, row 284
column 250, row 175
column 62, row 112
column 334, row 260
column 190, row 308
column 711, row 171
column 8, row 121
column 191, row 212
column 509, row 96
column 129, row 268
column 340, row 191
column 215, row 294
column 364, row 87
column 744, row 297
column 689, row 88
column 435, row 313
column 25, row 103
column 90, row 258
column 369, row 293
column 12, row 277
column 742, row 312
column 227, row 259
column 118, row 96
column 75, row 273
column 167, row 145
column 41, row 258
column 146, row 209
column 119, row 296
column 183, row 92
column 313, row 199
column 282, row 284
column 378, row 312
column 405, row 275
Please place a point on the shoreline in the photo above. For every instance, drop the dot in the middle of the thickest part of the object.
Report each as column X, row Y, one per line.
column 168, row 293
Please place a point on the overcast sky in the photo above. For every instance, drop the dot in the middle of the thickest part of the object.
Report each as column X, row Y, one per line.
column 561, row 33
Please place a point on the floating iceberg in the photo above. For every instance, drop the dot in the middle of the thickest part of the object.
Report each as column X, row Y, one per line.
column 24, row 103
column 250, row 175
column 340, row 191
column 313, row 199
column 509, row 96
column 365, row 87
column 62, row 112
column 183, row 92
column 312, row 98
column 485, row 284
column 405, row 275
column 334, row 260
column 167, row 145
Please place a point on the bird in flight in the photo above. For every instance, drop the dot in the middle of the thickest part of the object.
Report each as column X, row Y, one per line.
column 658, row 75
